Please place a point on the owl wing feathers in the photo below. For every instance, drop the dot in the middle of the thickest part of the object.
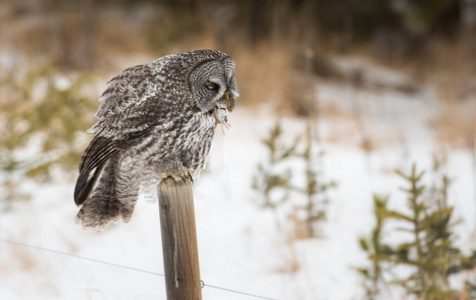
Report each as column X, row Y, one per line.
column 126, row 89
column 120, row 124
column 96, row 154
column 99, row 151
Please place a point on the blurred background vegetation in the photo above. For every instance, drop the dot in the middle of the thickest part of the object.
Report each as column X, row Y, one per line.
column 56, row 56
column 282, row 46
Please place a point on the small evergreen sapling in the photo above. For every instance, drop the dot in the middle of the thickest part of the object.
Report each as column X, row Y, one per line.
column 375, row 249
column 429, row 252
column 315, row 190
column 268, row 177
column 273, row 175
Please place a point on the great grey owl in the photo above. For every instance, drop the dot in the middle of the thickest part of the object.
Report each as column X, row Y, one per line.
column 155, row 120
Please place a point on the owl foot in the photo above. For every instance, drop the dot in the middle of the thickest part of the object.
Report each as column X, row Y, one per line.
column 178, row 175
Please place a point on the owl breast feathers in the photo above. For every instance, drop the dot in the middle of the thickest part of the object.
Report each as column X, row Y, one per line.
column 155, row 120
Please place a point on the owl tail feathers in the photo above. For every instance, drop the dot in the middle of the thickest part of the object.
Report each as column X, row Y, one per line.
column 98, row 213
column 106, row 202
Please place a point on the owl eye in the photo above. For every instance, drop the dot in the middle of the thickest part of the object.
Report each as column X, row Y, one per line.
column 211, row 86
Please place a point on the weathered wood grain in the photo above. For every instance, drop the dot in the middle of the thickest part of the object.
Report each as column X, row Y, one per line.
column 179, row 240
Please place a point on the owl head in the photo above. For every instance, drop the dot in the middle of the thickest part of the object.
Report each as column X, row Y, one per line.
column 212, row 85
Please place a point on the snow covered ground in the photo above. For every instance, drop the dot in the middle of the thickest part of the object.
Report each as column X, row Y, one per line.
column 240, row 245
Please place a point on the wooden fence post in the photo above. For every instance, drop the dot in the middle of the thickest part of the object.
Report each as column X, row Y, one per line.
column 179, row 240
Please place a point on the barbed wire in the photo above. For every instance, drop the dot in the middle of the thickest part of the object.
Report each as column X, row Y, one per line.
column 124, row 267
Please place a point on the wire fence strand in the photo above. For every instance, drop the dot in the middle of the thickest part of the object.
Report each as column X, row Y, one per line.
column 122, row 266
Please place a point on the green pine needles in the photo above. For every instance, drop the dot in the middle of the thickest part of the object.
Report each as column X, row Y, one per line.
column 373, row 246
column 428, row 251
column 269, row 178
column 41, row 113
column 315, row 190
column 273, row 178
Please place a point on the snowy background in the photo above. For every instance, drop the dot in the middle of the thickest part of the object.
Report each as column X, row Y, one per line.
column 391, row 83
column 240, row 246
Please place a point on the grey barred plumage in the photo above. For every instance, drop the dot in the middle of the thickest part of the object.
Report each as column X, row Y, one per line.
column 155, row 120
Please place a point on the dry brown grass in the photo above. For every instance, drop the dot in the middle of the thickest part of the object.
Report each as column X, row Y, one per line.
column 448, row 67
column 334, row 111
column 268, row 77
column 290, row 261
column 451, row 69
column 102, row 37
column 94, row 36
column 455, row 126
column 262, row 74
column 299, row 228
column 62, row 38
column 18, row 259
column 25, row 259
column 343, row 129
column 271, row 73
column 40, row 267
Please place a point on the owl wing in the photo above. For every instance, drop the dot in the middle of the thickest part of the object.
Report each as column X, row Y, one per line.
column 99, row 151
column 129, row 111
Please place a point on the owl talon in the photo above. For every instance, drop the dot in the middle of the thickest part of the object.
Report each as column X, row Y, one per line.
column 191, row 178
column 177, row 175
